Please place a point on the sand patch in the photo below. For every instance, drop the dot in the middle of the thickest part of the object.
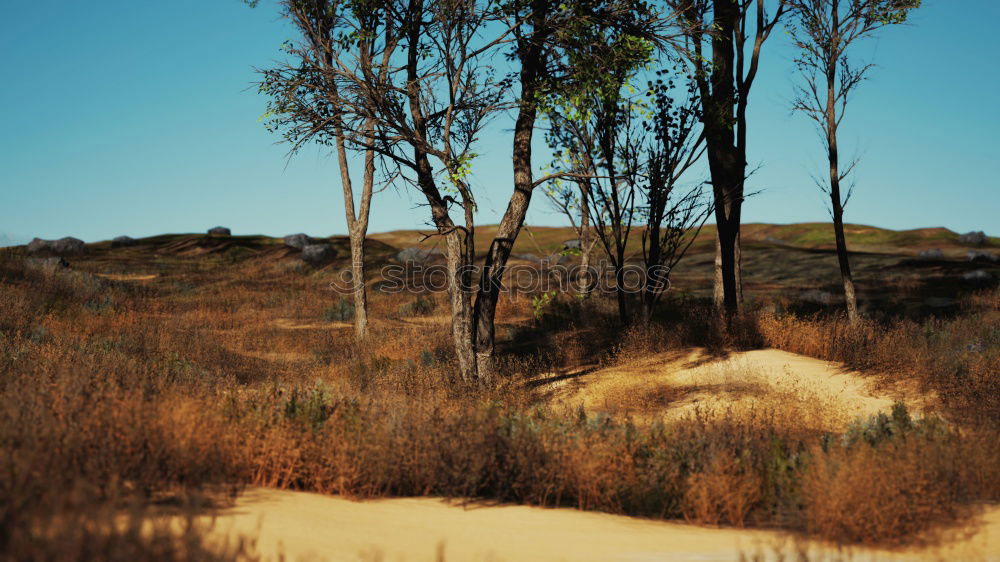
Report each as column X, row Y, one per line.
column 807, row 391
column 293, row 324
column 306, row 526
column 128, row 276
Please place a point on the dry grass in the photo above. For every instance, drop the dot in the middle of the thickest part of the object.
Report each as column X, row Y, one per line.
column 114, row 393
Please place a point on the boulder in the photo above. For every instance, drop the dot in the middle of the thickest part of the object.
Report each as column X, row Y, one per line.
column 982, row 257
column 220, row 231
column 37, row 245
column 122, row 241
column 318, row 254
column 933, row 254
column 418, row 254
column 973, row 238
column 67, row 245
column 979, row 276
column 47, row 263
column 526, row 257
column 297, row 241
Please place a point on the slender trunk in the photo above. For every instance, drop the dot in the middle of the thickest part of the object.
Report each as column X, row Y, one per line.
column 530, row 53
column 358, row 280
column 491, row 280
column 835, row 196
column 357, row 229
column 620, row 286
column 585, row 279
column 456, row 253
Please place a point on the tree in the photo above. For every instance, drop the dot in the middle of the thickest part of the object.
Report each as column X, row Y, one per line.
column 428, row 109
column 725, row 76
column 305, row 106
column 673, row 217
column 823, row 31
column 630, row 152
column 572, row 200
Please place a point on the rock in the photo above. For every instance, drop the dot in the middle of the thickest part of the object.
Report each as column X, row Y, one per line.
column 934, row 254
column 572, row 244
column 983, row 257
column 979, row 276
column 417, row 254
column 220, row 231
column 47, row 263
column 37, row 245
column 67, row 245
column 122, row 241
column 527, row 257
column 973, row 238
column 318, row 254
column 297, row 241
column 818, row 296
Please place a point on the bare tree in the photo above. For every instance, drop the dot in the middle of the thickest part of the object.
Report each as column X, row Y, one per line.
column 823, row 30
column 630, row 152
column 306, row 104
column 724, row 43
column 673, row 216
column 428, row 110
column 563, row 49
column 572, row 200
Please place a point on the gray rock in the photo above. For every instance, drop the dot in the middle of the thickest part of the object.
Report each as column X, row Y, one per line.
column 527, row 257
column 297, row 241
column 973, row 238
column 47, row 263
column 220, row 231
column 418, row 254
column 981, row 256
column 818, row 296
column 318, row 254
column 67, row 245
column 572, row 244
column 122, row 241
column 978, row 276
column 37, row 245
column 935, row 254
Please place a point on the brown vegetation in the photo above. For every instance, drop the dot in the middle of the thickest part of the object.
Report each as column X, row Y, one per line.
column 218, row 374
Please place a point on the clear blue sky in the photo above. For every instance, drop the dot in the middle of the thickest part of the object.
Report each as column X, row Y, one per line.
column 138, row 117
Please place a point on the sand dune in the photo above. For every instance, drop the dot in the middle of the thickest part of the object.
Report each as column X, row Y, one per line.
column 305, row 526
column 817, row 393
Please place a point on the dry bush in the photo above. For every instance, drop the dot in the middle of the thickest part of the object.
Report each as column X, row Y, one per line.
column 724, row 493
column 113, row 392
column 958, row 359
column 105, row 533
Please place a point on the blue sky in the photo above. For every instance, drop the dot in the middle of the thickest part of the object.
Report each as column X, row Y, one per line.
column 138, row 117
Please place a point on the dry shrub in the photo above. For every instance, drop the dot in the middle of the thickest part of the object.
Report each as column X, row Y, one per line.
column 102, row 532
column 724, row 493
column 866, row 494
column 958, row 359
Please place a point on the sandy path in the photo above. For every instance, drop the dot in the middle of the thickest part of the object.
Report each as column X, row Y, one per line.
column 304, row 526
column 669, row 386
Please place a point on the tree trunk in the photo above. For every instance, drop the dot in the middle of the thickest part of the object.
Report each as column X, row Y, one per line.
column 530, row 52
column 358, row 282
column 491, row 281
column 585, row 279
column 835, row 196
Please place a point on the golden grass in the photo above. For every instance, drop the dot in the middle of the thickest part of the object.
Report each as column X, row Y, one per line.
column 116, row 392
